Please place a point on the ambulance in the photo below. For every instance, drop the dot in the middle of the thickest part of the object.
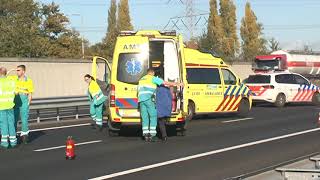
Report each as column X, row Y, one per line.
column 210, row 86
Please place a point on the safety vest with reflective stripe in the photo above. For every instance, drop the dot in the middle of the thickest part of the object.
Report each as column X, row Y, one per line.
column 24, row 86
column 96, row 93
column 7, row 89
column 94, row 88
column 146, row 88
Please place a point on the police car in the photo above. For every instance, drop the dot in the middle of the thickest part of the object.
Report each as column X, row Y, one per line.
column 281, row 88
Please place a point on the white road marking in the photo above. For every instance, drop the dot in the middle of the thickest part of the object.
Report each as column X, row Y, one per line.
column 58, row 127
column 130, row 171
column 237, row 120
column 59, row 147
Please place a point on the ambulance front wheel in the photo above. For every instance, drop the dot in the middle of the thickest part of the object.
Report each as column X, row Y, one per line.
column 191, row 111
column 316, row 99
column 244, row 108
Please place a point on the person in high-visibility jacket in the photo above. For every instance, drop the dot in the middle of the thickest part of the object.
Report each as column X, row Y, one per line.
column 7, row 94
column 97, row 100
column 146, row 92
column 24, row 90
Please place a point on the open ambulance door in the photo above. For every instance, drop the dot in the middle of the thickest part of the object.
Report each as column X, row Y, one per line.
column 101, row 72
column 183, row 96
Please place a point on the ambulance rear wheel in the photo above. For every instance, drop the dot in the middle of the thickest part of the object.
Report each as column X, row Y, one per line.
column 280, row 100
column 244, row 108
column 316, row 99
column 191, row 111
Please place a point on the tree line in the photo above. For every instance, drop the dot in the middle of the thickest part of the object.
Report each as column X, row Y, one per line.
column 32, row 29
column 222, row 39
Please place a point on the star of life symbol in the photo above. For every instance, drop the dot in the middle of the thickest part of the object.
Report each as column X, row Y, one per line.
column 133, row 67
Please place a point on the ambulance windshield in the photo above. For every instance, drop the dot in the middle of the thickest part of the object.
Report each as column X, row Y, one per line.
column 131, row 67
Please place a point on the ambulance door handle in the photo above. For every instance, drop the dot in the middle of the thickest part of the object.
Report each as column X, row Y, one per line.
column 125, row 88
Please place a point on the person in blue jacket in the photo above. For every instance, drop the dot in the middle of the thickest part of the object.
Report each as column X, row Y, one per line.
column 164, row 108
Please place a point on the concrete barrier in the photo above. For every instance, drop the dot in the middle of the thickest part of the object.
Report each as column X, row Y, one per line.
column 54, row 77
column 242, row 69
column 64, row 77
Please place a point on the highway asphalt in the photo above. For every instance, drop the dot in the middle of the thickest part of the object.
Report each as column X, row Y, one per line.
column 216, row 147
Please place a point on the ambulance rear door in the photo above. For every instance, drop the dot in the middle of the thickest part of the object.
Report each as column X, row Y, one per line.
column 131, row 62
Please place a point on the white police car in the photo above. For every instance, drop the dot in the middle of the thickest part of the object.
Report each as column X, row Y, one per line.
column 281, row 88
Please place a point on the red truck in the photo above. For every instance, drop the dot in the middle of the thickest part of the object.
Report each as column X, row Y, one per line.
column 307, row 65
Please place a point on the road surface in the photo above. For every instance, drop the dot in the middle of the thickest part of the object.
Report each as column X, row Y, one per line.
column 216, row 147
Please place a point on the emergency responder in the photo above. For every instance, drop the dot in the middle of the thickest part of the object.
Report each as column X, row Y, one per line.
column 24, row 90
column 7, row 94
column 146, row 92
column 97, row 100
column 164, row 109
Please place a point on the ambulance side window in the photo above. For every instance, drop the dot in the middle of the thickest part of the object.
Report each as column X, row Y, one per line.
column 228, row 77
column 203, row 76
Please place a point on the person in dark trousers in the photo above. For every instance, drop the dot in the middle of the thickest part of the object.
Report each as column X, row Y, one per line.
column 164, row 107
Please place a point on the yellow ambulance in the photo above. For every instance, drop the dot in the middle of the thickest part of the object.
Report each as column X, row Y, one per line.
column 210, row 86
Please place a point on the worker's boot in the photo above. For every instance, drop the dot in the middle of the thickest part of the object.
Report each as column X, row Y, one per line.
column 93, row 126
column 14, row 147
column 100, row 128
column 164, row 139
column 153, row 139
column 147, row 137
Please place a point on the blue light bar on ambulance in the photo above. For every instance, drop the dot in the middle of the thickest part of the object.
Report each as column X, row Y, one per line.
column 168, row 33
column 127, row 33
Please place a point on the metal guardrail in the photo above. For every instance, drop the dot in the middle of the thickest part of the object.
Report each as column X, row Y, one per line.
column 302, row 173
column 58, row 108
column 316, row 161
column 299, row 174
